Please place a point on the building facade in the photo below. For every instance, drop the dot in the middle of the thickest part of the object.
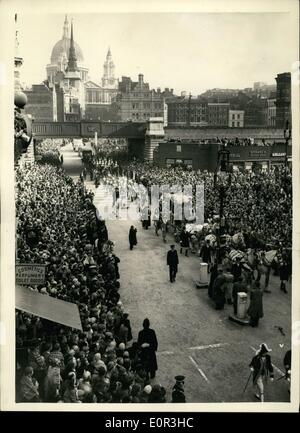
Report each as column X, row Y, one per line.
column 137, row 102
column 283, row 99
column 218, row 114
column 45, row 103
column 187, row 111
column 200, row 156
column 256, row 112
column 271, row 112
column 236, row 118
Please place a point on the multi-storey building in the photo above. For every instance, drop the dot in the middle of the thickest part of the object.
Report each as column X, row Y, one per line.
column 236, row 118
column 45, row 103
column 283, row 99
column 256, row 112
column 271, row 112
column 137, row 102
column 187, row 111
column 218, row 113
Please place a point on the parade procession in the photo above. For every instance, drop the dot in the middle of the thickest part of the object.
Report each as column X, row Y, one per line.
column 154, row 254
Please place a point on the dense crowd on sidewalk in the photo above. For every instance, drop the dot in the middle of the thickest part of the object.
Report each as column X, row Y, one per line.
column 48, row 151
column 57, row 226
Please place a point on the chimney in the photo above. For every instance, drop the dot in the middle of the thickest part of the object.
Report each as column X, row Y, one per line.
column 158, row 90
column 172, row 90
column 141, row 78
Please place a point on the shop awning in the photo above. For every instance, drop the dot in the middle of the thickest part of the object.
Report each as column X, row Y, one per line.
column 49, row 308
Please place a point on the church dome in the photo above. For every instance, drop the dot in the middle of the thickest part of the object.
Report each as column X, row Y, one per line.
column 61, row 48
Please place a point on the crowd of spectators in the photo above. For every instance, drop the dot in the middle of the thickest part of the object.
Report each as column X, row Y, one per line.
column 57, row 226
column 48, row 151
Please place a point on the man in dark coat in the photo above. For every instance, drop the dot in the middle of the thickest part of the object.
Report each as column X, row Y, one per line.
column 255, row 310
column 132, row 237
column 213, row 276
column 261, row 367
column 205, row 254
column 184, row 242
column 148, row 345
column 218, row 291
column 284, row 275
column 236, row 269
column 172, row 262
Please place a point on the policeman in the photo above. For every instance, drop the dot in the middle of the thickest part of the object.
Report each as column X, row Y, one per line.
column 178, row 390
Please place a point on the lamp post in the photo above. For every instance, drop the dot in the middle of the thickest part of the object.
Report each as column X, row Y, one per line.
column 222, row 182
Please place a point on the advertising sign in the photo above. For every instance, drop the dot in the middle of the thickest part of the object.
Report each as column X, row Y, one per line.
column 30, row 273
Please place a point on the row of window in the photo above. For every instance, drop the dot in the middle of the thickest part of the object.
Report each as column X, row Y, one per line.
column 182, row 112
column 187, row 107
column 185, row 118
column 171, row 162
column 146, row 106
column 146, row 115
column 142, row 95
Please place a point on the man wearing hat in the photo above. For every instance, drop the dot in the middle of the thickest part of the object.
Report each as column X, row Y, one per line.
column 261, row 367
column 178, row 390
column 172, row 262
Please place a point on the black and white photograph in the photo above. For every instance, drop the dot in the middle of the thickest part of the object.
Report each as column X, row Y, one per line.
column 149, row 201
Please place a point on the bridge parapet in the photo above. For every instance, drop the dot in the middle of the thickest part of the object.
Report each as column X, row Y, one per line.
column 88, row 129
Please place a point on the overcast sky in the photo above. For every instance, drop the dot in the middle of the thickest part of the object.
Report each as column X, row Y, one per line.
column 191, row 52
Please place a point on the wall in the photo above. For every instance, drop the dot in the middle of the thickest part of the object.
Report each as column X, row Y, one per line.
column 40, row 103
column 102, row 112
column 204, row 157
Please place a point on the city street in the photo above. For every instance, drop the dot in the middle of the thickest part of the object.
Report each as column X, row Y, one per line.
column 194, row 339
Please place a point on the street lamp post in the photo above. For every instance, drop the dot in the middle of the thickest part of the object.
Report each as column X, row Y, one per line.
column 221, row 182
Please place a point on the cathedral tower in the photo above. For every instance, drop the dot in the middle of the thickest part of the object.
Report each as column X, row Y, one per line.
column 108, row 79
